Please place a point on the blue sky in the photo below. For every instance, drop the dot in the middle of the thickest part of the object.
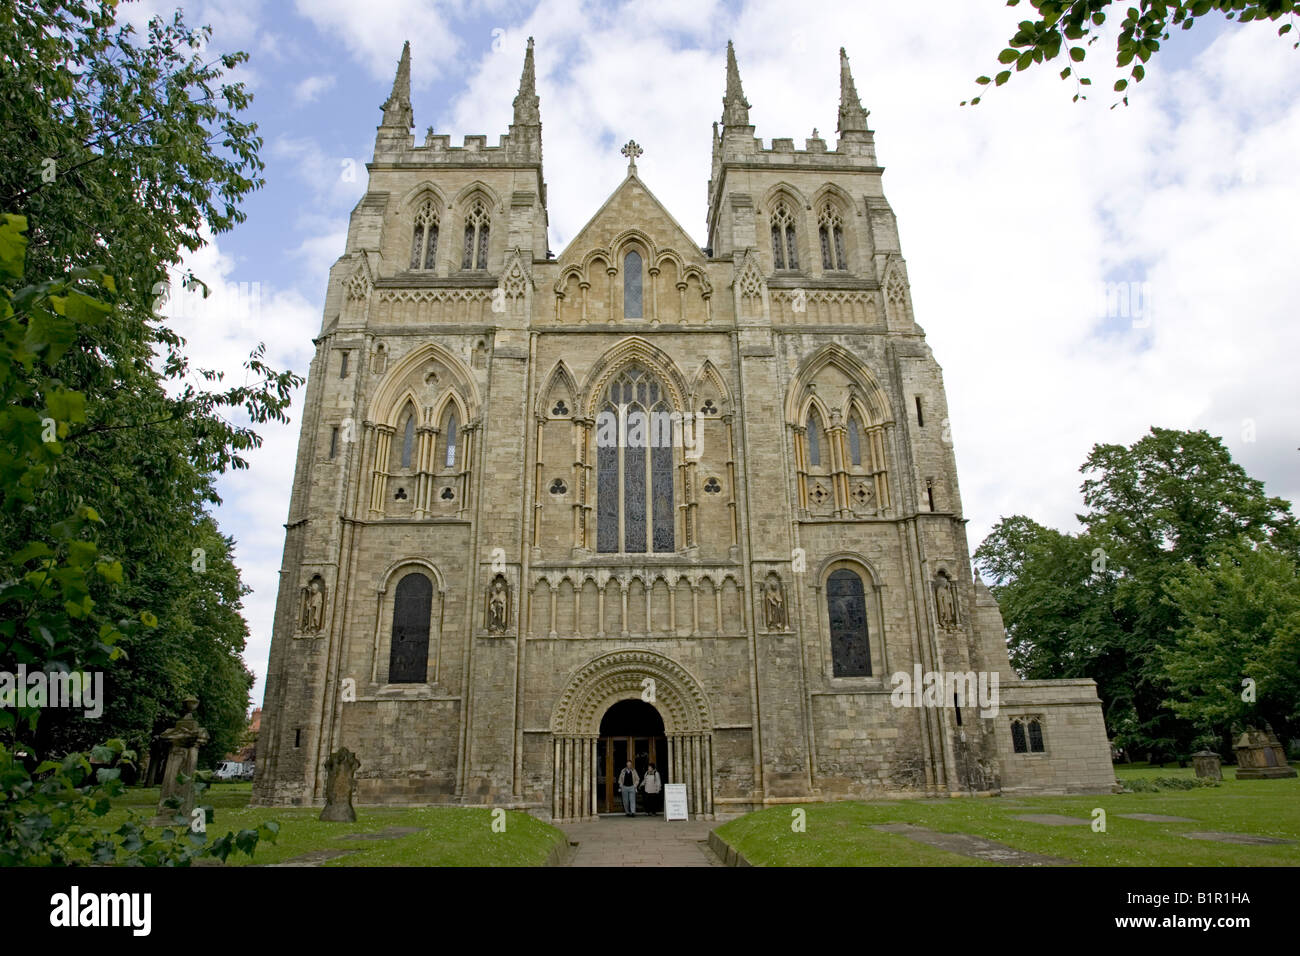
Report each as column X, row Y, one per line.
column 1013, row 214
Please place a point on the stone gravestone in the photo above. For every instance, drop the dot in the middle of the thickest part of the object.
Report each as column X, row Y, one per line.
column 1207, row 764
column 184, row 741
column 340, row 784
column 1260, row 756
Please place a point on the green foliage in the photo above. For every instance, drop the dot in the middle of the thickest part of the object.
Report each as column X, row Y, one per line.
column 120, row 156
column 123, row 152
column 1115, row 600
column 1073, row 25
column 1240, row 623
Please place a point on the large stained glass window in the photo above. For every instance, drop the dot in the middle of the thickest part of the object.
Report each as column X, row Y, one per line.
column 408, row 659
column 634, row 467
column 846, row 607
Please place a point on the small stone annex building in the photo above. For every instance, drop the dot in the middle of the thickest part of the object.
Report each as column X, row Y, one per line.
column 637, row 500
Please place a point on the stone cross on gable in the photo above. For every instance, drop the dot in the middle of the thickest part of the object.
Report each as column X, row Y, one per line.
column 631, row 151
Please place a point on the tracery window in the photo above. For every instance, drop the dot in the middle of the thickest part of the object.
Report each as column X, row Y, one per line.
column 408, row 657
column 424, row 241
column 830, row 229
column 632, row 285
column 784, row 253
column 846, row 608
column 634, row 467
column 477, row 226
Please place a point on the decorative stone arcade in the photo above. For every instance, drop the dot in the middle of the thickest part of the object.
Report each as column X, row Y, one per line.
column 629, row 675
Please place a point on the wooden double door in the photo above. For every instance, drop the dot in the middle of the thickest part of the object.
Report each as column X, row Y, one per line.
column 612, row 755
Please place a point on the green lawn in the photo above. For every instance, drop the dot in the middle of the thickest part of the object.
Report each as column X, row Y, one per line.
column 449, row 836
column 840, row 834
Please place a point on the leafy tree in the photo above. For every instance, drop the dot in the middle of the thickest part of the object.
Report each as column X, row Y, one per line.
column 1072, row 24
column 48, row 616
column 1101, row 602
column 123, row 155
column 1240, row 622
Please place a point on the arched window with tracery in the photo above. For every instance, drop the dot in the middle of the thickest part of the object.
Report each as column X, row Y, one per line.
column 477, row 226
column 408, row 656
column 830, row 229
column 424, row 241
column 632, row 285
column 634, row 466
column 846, row 608
column 408, row 435
column 784, row 252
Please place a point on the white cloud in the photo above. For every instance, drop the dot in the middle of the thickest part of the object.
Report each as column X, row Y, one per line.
column 310, row 89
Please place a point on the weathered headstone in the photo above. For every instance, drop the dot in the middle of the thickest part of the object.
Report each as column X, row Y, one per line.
column 184, row 741
column 1260, row 756
column 340, row 784
column 1207, row 764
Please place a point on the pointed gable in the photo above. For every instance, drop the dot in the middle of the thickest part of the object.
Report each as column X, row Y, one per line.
column 632, row 211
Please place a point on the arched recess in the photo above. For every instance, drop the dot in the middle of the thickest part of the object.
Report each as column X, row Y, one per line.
column 600, row 683
column 467, row 193
column 385, row 594
column 833, row 208
column 556, row 504
column 435, row 381
column 669, row 467
column 630, row 351
column 833, row 603
column 839, row 387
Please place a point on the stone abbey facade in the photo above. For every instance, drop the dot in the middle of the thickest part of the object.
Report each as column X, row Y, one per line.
column 638, row 500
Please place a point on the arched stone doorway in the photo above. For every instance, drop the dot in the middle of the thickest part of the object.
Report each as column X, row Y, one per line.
column 630, row 730
column 591, row 693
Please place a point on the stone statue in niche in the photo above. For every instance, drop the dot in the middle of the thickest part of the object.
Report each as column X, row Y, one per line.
column 774, row 616
column 945, row 601
column 498, row 606
column 312, row 610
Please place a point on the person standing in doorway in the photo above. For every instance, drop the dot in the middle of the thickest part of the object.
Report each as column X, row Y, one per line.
column 652, row 786
column 628, row 781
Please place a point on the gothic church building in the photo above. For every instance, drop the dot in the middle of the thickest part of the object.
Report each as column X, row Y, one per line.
column 639, row 500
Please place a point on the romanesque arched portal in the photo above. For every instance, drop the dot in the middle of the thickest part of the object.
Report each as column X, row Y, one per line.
column 625, row 675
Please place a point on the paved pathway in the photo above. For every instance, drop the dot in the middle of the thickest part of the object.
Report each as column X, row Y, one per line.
column 966, row 844
column 641, row 841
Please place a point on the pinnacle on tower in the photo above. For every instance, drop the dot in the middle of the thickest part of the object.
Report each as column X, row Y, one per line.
column 735, row 108
column 397, row 108
column 526, row 103
column 853, row 118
